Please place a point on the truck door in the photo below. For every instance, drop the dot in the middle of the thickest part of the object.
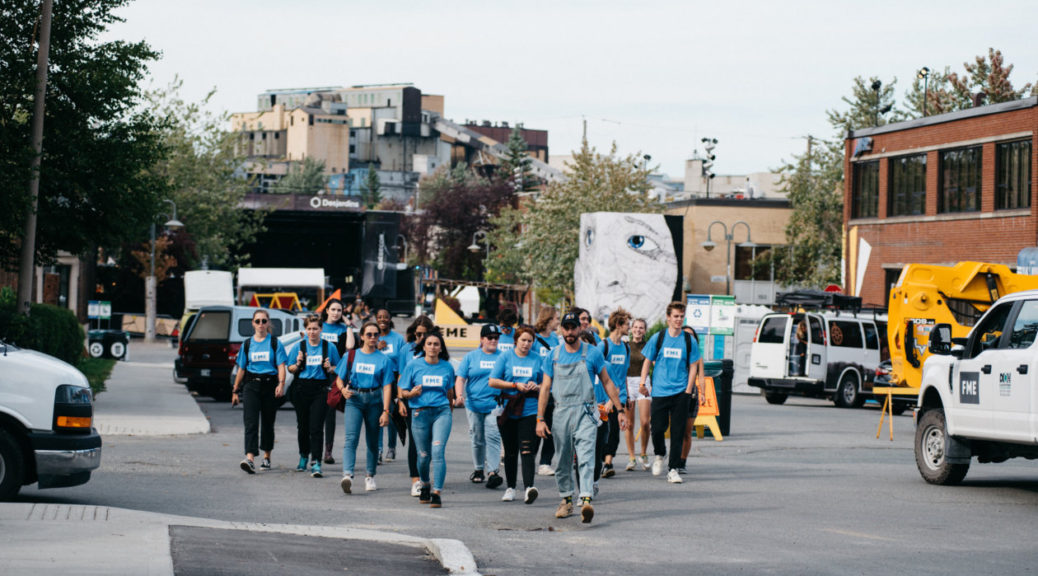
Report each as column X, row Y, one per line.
column 817, row 357
column 1012, row 408
column 768, row 358
column 975, row 391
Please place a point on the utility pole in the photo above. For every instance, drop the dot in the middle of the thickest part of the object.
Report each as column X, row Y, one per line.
column 27, row 262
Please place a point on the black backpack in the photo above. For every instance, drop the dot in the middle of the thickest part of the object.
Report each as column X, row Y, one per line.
column 659, row 346
column 273, row 350
column 626, row 345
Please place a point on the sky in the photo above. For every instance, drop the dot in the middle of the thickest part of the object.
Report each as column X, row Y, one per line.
column 655, row 77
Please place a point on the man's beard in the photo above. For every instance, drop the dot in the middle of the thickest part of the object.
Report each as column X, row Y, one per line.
column 570, row 339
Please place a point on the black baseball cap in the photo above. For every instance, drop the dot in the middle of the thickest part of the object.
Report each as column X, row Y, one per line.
column 570, row 320
column 490, row 331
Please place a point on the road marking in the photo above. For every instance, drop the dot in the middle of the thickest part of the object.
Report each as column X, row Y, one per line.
column 859, row 535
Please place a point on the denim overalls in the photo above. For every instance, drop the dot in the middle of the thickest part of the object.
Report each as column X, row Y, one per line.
column 575, row 422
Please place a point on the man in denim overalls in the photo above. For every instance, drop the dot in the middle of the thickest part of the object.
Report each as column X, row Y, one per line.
column 568, row 375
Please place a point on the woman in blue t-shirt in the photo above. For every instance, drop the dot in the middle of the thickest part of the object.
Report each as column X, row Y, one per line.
column 421, row 326
column 313, row 361
column 259, row 383
column 617, row 355
column 428, row 386
column 338, row 333
column 518, row 373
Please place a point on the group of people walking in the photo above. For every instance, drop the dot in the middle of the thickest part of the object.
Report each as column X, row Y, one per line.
column 531, row 394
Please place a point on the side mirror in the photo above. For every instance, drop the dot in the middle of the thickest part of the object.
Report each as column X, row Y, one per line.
column 940, row 339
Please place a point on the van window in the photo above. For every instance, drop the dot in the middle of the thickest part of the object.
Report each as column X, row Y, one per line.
column 1026, row 325
column 871, row 338
column 773, row 331
column 845, row 333
column 817, row 333
column 211, row 325
column 245, row 327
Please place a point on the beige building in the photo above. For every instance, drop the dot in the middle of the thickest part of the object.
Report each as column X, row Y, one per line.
column 753, row 186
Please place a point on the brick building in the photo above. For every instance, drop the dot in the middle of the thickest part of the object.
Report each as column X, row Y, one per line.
column 940, row 190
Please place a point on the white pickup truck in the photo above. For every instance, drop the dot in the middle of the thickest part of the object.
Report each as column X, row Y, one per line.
column 978, row 395
column 46, row 423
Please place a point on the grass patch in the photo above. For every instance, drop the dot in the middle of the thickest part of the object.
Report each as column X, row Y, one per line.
column 97, row 371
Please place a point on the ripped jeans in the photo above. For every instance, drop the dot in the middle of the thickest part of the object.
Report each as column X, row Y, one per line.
column 430, row 429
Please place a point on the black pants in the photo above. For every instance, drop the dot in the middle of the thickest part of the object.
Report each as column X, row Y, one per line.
column 548, row 448
column 259, row 408
column 669, row 411
column 601, row 437
column 519, row 437
column 613, row 440
column 310, row 399
column 329, row 429
column 412, row 450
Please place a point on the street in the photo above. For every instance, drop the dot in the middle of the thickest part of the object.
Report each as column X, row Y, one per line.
column 803, row 488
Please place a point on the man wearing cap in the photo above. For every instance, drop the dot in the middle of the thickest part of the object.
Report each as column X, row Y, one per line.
column 569, row 373
column 472, row 390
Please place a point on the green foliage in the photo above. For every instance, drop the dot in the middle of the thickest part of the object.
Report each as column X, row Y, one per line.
column 865, row 106
column 97, row 371
column 372, row 191
column 48, row 329
column 96, row 135
column 948, row 91
column 200, row 171
column 516, row 168
column 306, row 178
column 539, row 243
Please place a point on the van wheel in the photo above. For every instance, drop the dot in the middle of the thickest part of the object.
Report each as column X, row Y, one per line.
column 847, row 395
column 775, row 397
column 931, row 449
column 11, row 466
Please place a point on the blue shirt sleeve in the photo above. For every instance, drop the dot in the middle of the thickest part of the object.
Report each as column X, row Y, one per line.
column 693, row 355
column 405, row 378
column 463, row 366
column 293, row 351
column 597, row 360
column 340, row 369
column 548, row 365
column 388, row 374
column 649, row 351
column 241, row 360
column 282, row 358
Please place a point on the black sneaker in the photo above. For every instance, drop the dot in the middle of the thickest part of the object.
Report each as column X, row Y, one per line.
column 379, row 463
column 248, row 466
column 265, row 465
column 494, row 480
column 476, row 477
column 607, row 471
column 424, row 495
column 436, row 502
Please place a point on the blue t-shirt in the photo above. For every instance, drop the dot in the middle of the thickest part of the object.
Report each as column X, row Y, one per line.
column 314, row 367
column 506, row 342
column 435, row 380
column 511, row 368
column 475, row 369
column 539, row 348
column 260, row 360
column 395, row 349
column 594, row 361
column 369, row 370
column 331, row 332
column 670, row 371
column 617, row 362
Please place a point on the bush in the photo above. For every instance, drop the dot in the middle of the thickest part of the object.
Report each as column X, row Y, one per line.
column 48, row 329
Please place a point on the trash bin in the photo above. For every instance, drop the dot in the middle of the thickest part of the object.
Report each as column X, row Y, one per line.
column 108, row 344
column 722, row 371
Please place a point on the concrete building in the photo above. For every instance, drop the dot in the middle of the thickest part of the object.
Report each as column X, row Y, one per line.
column 940, row 189
column 753, row 186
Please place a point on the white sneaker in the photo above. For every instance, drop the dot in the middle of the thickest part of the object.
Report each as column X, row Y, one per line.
column 369, row 484
column 531, row 495
column 630, row 465
column 416, row 488
column 657, row 466
column 509, row 495
column 673, row 477
column 644, row 462
column 545, row 470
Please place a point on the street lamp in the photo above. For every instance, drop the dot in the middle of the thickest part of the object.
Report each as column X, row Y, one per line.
column 475, row 248
column 728, row 237
column 151, row 283
column 924, row 75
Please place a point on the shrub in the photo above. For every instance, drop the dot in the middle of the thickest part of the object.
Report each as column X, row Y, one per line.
column 48, row 329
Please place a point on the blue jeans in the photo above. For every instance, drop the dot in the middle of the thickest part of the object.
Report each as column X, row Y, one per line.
column 363, row 407
column 486, row 440
column 430, row 429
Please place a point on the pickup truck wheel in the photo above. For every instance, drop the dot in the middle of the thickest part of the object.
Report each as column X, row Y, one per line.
column 775, row 397
column 847, row 395
column 11, row 466
column 931, row 446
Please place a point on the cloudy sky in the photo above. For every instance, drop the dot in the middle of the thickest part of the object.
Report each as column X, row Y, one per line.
column 653, row 76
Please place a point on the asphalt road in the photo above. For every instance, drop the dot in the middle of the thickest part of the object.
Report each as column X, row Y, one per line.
column 803, row 488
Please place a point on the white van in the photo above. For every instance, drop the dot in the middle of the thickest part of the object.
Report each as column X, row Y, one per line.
column 842, row 352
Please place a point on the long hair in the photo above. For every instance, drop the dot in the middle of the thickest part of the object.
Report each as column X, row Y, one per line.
column 434, row 333
column 324, row 313
column 421, row 321
column 544, row 318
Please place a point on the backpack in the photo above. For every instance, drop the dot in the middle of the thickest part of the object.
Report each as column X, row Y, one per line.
column 273, row 349
column 324, row 349
column 688, row 346
column 626, row 345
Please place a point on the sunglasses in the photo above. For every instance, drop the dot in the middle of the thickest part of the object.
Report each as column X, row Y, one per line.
column 371, row 334
column 260, row 321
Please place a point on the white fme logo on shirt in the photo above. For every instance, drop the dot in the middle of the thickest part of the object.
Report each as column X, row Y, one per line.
column 617, row 359
column 486, row 364
column 260, row 356
column 432, row 381
column 522, row 372
column 672, row 353
column 388, row 349
column 314, row 360
column 364, row 368
column 329, row 337
column 505, row 347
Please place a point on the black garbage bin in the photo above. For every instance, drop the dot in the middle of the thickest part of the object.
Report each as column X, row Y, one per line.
column 723, row 372
column 108, row 344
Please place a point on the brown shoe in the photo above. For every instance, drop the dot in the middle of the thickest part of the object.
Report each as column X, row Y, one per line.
column 587, row 511
column 565, row 509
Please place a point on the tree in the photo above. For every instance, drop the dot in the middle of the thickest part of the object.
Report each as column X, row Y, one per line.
column 948, row 91
column 372, row 191
column 305, row 178
column 96, row 135
column 202, row 174
column 868, row 106
column 516, row 168
column 539, row 241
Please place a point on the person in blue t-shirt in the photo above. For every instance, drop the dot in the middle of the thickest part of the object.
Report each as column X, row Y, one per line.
column 472, row 388
column 546, row 340
column 337, row 332
column 259, row 383
column 585, row 323
column 618, row 358
column 569, row 375
column 421, row 326
column 368, row 390
column 427, row 384
column 392, row 345
column 518, row 374
column 673, row 357
column 313, row 360
column 507, row 319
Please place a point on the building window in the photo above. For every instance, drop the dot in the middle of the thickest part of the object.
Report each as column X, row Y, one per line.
column 960, row 180
column 865, row 193
column 907, row 190
column 1013, row 175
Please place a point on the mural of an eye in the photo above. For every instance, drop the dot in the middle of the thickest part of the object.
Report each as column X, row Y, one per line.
column 589, row 237
column 641, row 243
